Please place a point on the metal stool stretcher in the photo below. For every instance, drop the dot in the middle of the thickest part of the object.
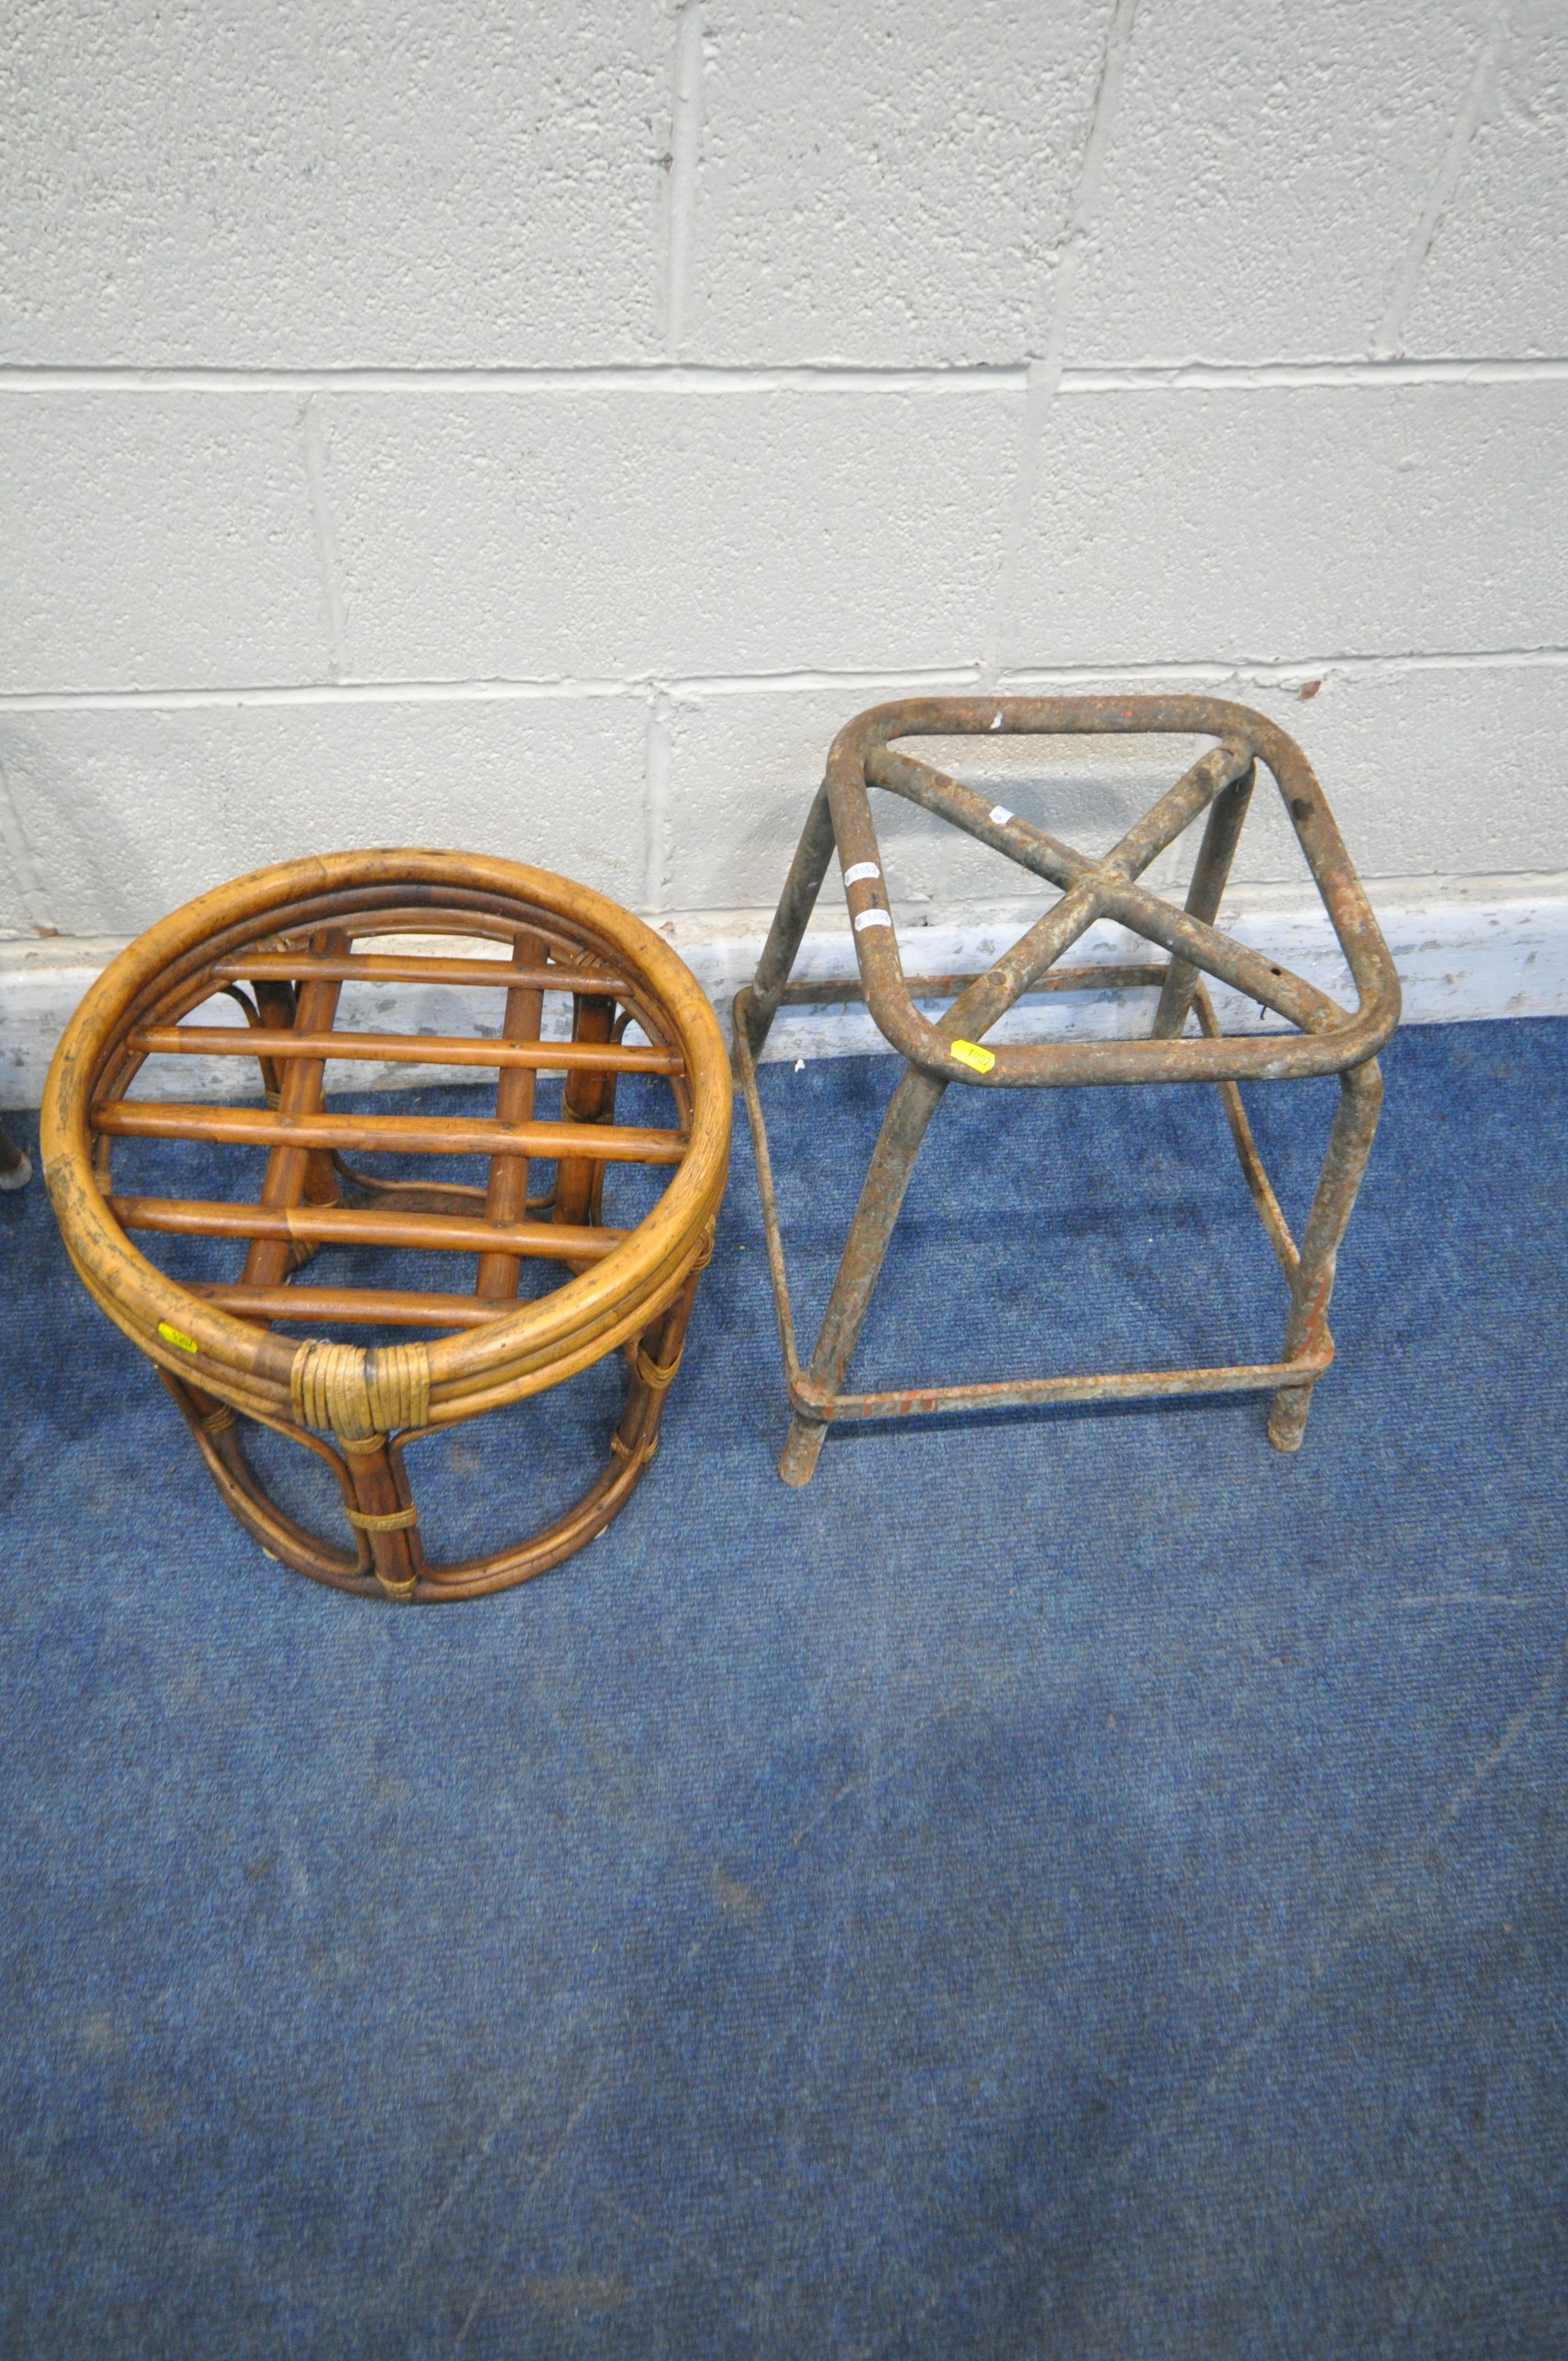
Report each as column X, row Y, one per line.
column 1329, row 1040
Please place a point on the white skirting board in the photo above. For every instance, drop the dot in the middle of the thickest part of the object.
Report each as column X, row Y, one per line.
column 1494, row 950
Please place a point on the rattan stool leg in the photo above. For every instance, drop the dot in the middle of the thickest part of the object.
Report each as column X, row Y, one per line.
column 654, row 1360
column 218, row 1435
column 296, row 1174
column 588, row 1098
column 506, row 1198
column 1349, row 1145
column 384, row 1512
column 913, row 1105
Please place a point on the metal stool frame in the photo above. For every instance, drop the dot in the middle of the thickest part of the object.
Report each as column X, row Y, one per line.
column 282, row 944
column 1329, row 1039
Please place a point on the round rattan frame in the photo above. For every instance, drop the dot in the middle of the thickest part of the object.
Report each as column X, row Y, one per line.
column 283, row 941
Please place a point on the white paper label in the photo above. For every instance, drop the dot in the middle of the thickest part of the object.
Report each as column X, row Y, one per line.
column 871, row 918
column 862, row 871
column 999, row 815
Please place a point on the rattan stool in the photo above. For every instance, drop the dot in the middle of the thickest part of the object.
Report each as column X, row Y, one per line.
column 1330, row 1040
column 284, row 944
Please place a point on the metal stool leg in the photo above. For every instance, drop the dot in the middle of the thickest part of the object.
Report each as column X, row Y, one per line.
column 808, row 870
column 1350, row 1144
column 1221, row 835
column 914, row 1102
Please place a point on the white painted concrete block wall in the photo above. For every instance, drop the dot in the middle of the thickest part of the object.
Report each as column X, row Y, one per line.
column 538, row 429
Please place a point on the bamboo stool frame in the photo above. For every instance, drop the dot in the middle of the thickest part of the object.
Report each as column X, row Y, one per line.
column 1329, row 1039
column 282, row 943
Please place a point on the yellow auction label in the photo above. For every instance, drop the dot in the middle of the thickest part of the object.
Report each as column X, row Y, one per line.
column 970, row 1054
column 178, row 1337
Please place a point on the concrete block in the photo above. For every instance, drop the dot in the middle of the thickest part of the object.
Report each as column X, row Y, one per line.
column 1300, row 523
column 1455, row 773
column 314, row 182
column 1495, row 279
column 42, row 985
column 130, row 814
column 545, row 535
column 887, row 187
column 744, row 768
column 15, row 918
column 1430, row 774
column 1265, row 168
column 24, row 913
column 156, row 540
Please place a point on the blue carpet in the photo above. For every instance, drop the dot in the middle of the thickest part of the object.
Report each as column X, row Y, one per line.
column 1074, row 1884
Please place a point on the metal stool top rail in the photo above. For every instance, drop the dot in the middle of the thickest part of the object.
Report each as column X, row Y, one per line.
column 865, row 752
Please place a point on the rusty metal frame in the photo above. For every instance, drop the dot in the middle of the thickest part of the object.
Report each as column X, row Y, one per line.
column 1329, row 1039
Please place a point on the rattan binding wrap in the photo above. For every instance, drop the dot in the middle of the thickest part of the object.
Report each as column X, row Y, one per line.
column 347, row 1392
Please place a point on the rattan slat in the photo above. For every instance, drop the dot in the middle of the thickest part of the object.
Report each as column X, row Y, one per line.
column 403, row 1050
column 375, row 1307
column 408, row 1134
column 362, row 1226
column 387, row 967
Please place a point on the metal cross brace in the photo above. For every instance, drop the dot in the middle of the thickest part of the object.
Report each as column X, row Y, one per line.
column 1329, row 1040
